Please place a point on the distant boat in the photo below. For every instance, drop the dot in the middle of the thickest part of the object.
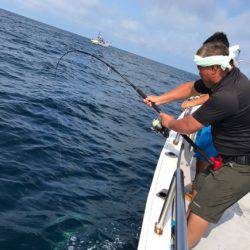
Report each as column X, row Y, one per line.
column 100, row 41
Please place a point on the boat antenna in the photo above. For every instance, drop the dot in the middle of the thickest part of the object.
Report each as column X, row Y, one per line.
column 141, row 93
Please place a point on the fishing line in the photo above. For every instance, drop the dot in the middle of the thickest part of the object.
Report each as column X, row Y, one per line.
column 243, row 61
column 160, row 129
column 139, row 91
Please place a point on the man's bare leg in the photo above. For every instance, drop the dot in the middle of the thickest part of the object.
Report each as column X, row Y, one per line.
column 196, row 228
column 200, row 165
column 194, row 193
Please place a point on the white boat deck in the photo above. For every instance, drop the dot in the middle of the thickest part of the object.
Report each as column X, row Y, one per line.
column 232, row 232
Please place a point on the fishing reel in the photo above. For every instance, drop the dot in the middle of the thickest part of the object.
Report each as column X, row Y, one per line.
column 159, row 129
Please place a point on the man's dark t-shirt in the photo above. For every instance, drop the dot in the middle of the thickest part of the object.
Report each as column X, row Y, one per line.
column 228, row 111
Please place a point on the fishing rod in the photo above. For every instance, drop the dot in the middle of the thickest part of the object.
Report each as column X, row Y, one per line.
column 156, row 124
column 139, row 91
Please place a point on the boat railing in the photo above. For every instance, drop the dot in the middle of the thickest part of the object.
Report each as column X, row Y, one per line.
column 178, row 135
column 181, row 220
column 175, row 196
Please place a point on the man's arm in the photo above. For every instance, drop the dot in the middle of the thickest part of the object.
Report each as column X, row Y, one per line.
column 195, row 102
column 186, row 125
column 183, row 91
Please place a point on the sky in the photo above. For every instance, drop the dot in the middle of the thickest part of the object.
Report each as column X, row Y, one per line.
column 167, row 31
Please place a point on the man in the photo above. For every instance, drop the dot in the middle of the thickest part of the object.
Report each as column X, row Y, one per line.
column 171, row 96
column 204, row 138
column 228, row 112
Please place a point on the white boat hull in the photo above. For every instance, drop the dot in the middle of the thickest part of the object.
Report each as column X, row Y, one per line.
column 165, row 169
column 105, row 44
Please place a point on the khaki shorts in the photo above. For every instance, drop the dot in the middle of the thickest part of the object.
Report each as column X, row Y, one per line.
column 219, row 190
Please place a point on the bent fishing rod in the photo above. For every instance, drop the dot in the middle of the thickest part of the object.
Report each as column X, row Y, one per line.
column 157, row 126
column 139, row 91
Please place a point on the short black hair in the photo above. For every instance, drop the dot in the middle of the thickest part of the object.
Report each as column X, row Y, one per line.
column 213, row 49
column 218, row 37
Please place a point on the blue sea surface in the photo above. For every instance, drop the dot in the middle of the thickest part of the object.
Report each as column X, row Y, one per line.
column 77, row 153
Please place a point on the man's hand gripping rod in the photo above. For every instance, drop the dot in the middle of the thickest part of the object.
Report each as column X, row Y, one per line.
column 165, row 132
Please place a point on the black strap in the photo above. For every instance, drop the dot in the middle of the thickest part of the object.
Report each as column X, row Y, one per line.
column 239, row 159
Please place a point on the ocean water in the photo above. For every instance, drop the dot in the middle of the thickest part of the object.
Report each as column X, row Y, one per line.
column 77, row 153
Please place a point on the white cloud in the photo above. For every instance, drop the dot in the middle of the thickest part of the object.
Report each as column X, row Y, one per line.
column 130, row 25
column 71, row 10
column 184, row 25
column 176, row 27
